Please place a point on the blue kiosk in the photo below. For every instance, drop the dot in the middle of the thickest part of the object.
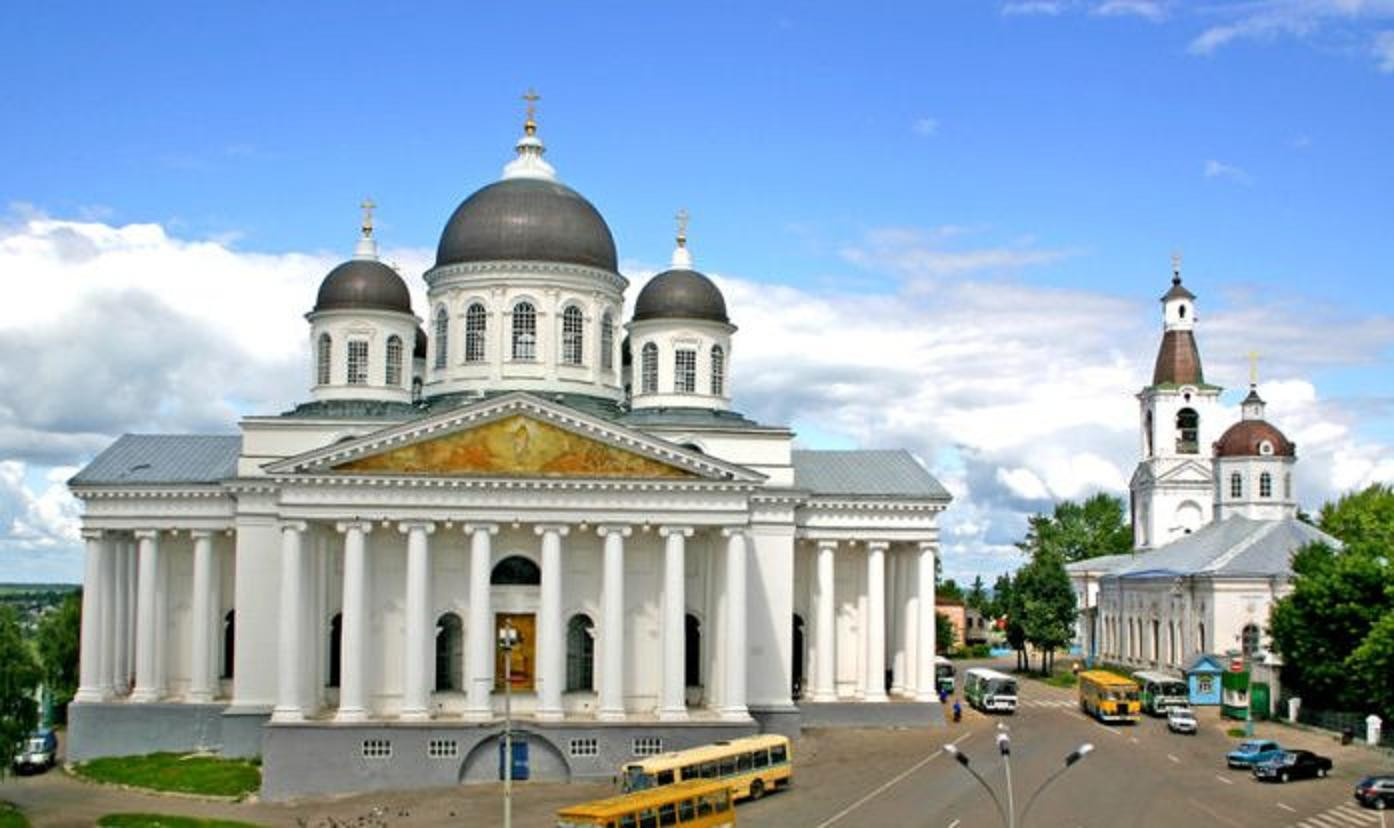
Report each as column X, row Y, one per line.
column 1203, row 678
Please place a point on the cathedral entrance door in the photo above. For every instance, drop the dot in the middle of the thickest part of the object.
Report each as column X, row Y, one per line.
column 523, row 657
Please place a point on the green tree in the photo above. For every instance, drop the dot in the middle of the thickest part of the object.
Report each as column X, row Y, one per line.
column 19, row 677
column 950, row 591
column 1001, row 594
column 57, row 640
column 977, row 597
column 1363, row 519
column 1047, row 604
column 943, row 633
column 1077, row 531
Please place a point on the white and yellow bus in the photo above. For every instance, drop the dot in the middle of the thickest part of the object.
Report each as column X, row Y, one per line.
column 1109, row 697
column 697, row 804
column 751, row 766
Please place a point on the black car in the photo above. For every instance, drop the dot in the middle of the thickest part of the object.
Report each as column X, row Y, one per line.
column 1375, row 792
column 1292, row 764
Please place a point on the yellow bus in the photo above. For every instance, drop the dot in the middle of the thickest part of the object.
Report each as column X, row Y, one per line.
column 702, row 803
column 751, row 766
column 1109, row 697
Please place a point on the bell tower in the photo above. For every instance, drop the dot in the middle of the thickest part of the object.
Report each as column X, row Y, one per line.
column 1173, row 486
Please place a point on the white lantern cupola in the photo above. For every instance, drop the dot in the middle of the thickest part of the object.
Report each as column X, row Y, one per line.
column 1254, row 463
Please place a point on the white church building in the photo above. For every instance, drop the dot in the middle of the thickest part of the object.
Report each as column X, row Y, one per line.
column 1214, row 522
column 326, row 588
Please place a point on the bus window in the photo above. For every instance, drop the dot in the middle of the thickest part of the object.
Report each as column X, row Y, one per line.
column 743, row 763
column 668, row 814
column 687, row 810
column 708, row 770
column 648, row 818
column 628, row 821
column 691, row 772
column 665, row 777
column 762, row 758
column 777, row 755
column 723, row 801
column 728, row 766
column 704, row 806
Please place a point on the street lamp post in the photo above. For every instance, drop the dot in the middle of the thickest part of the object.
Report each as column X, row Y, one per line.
column 508, row 639
column 1004, row 747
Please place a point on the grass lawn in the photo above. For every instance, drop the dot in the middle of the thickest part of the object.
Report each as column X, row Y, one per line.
column 163, row 821
column 208, row 775
column 12, row 817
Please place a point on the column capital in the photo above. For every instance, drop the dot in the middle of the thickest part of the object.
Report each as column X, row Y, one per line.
column 877, row 545
column 668, row 531
column 731, row 531
column 146, row 534
column 927, row 546
column 559, row 528
column 364, row 526
column 93, row 534
column 294, row 526
column 409, row 526
column 472, row 528
column 201, row 534
column 620, row 529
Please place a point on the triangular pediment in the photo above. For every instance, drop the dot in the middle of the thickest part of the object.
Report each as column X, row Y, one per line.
column 515, row 435
column 1188, row 472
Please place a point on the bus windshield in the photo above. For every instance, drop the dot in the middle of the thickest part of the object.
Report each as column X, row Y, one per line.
column 1003, row 687
column 1175, row 688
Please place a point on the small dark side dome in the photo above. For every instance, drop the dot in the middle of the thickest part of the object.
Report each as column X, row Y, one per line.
column 680, row 294
column 363, row 284
column 522, row 219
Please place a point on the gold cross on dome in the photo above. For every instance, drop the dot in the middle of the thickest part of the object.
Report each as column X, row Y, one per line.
column 367, row 206
column 682, row 217
column 1253, row 367
column 530, row 125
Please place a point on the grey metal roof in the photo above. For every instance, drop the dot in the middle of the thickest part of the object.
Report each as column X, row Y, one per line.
column 520, row 219
column 870, row 473
column 680, row 294
column 1103, row 564
column 363, row 283
column 163, row 458
column 1236, row 546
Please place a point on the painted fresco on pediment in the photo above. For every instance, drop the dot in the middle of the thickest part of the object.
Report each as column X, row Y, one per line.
column 516, row 445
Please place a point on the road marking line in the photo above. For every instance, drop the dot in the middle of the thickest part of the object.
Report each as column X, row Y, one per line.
column 1212, row 812
column 1173, row 758
column 955, row 823
column 1132, row 739
column 1287, row 808
column 1361, row 816
column 887, row 785
column 1224, row 780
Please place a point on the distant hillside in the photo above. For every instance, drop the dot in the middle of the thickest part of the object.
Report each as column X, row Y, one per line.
column 7, row 590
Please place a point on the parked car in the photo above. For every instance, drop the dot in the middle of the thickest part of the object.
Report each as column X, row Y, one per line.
column 1181, row 720
column 38, row 752
column 1375, row 792
column 1252, row 752
column 1292, row 764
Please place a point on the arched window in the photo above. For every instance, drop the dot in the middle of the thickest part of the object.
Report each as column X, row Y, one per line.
column 516, row 570
column 648, row 369
column 1265, row 485
column 394, row 360
column 524, row 331
column 1171, row 642
column 476, row 324
column 580, row 654
column 1249, row 639
column 442, row 337
column 692, row 646
column 572, row 338
column 358, row 362
column 718, row 371
column 797, row 670
column 416, row 389
column 336, row 643
column 1156, row 640
column 684, row 371
column 229, row 641
column 1147, row 432
column 607, row 342
column 323, row 355
column 1187, row 431
column 450, row 653
column 1236, row 485
column 1200, row 637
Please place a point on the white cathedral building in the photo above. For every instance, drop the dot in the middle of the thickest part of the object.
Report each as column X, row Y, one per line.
column 1214, row 521
column 326, row 588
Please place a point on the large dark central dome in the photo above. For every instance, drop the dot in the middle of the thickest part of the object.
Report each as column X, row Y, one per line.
column 525, row 219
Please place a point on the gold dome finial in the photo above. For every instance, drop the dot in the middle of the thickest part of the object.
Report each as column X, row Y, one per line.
column 1253, row 369
column 367, row 206
column 682, row 218
column 530, row 125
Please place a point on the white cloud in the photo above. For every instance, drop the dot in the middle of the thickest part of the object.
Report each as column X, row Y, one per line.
column 1035, row 7
column 925, row 127
column 1384, row 50
column 1153, row 10
column 1273, row 19
column 1219, row 169
column 939, row 252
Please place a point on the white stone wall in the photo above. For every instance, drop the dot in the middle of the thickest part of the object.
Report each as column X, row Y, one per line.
column 669, row 336
column 1250, row 503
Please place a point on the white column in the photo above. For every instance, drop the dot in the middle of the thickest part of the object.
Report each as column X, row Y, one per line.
column 201, row 635
column 551, row 643
column 132, row 580
column 146, row 689
column 90, row 659
column 824, row 626
column 733, row 705
column 479, row 659
column 353, row 626
column 911, row 624
column 290, row 646
column 611, row 706
column 874, row 688
column 107, row 592
column 416, row 693
column 672, row 703
column 121, row 671
column 895, row 591
column 924, row 634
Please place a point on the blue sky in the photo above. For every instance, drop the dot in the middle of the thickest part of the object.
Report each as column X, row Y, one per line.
column 839, row 150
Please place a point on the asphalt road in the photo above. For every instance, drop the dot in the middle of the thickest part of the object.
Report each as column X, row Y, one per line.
column 1138, row 775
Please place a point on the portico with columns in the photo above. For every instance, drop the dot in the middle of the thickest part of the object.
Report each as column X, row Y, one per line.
column 326, row 587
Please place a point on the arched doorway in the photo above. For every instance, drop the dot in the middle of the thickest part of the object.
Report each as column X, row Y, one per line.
column 797, row 671
column 450, row 653
column 580, row 654
column 692, row 645
column 229, row 640
column 336, row 641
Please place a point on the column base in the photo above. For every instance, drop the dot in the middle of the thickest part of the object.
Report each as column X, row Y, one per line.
column 610, row 716
column 199, row 696
column 287, row 714
column 735, row 714
column 145, row 694
column 897, row 690
column 823, row 696
column 548, row 715
column 477, row 715
column 875, row 698
column 926, row 697
column 89, row 694
column 415, row 715
column 672, row 714
column 351, row 714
